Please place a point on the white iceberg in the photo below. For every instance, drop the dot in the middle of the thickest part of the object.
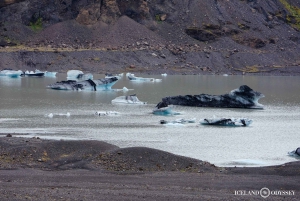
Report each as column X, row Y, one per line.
column 51, row 115
column 125, row 89
column 107, row 113
column 128, row 100
column 132, row 77
column 78, row 75
column 109, row 75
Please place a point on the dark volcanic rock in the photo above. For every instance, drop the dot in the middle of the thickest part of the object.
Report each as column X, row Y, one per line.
column 89, row 154
column 199, row 35
column 243, row 97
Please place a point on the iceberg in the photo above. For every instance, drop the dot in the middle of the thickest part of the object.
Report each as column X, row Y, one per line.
column 87, row 85
column 132, row 77
column 47, row 73
column 165, row 111
column 226, row 121
column 51, row 115
column 106, row 113
column 11, row 73
column 243, row 97
column 50, row 74
column 109, row 75
column 178, row 121
column 295, row 153
column 35, row 73
column 128, row 100
column 78, row 75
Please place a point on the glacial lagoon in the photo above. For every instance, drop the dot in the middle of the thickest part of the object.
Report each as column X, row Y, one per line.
column 25, row 103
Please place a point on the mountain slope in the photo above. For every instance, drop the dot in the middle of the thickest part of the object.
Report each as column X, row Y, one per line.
column 243, row 35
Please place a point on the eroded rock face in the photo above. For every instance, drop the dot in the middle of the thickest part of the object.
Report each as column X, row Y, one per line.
column 85, row 12
column 89, row 15
column 4, row 3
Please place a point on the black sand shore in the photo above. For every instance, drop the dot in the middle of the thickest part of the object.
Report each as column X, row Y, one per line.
column 36, row 169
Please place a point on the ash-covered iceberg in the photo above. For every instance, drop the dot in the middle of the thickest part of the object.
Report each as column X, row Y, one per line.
column 295, row 153
column 226, row 121
column 88, row 85
column 243, row 97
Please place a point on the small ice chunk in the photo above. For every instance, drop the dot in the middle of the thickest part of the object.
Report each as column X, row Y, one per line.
column 125, row 89
column 106, row 113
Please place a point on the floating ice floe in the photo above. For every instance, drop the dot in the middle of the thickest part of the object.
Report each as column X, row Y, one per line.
column 125, row 89
column 128, row 100
column 51, row 115
column 164, row 74
column 87, row 85
column 109, row 75
column 295, row 153
column 36, row 73
column 78, row 75
column 165, row 111
column 132, row 77
column 243, row 97
column 226, row 121
column 49, row 74
column 106, row 113
column 178, row 121
column 11, row 73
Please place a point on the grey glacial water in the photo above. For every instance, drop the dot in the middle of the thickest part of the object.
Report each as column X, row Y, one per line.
column 24, row 102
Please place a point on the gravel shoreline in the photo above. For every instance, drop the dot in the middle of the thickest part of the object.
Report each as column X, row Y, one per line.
column 153, row 61
column 36, row 169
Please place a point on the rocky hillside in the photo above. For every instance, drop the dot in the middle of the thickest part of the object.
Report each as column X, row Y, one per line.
column 190, row 36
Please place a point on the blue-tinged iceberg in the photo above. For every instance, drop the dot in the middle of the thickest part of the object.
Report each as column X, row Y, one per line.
column 243, row 97
column 226, row 121
column 165, row 111
column 11, row 73
column 87, row 85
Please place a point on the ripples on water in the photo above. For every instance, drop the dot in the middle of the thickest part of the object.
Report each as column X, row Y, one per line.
column 26, row 101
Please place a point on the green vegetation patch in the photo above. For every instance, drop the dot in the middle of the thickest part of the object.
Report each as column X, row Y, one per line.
column 37, row 25
column 294, row 17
